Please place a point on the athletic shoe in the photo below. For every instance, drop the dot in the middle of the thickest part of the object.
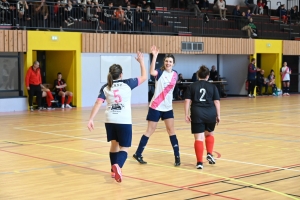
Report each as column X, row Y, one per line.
column 177, row 161
column 112, row 174
column 139, row 159
column 40, row 109
column 50, row 108
column 210, row 159
column 63, row 106
column 118, row 173
column 31, row 109
column 287, row 94
column 250, row 96
column 199, row 165
column 254, row 34
column 68, row 106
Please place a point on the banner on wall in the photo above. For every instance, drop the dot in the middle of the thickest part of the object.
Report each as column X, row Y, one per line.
column 8, row 73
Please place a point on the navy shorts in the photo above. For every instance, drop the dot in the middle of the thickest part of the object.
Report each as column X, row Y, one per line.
column 202, row 127
column 287, row 81
column 122, row 133
column 155, row 115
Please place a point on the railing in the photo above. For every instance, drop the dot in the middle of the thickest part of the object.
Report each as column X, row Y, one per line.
column 91, row 18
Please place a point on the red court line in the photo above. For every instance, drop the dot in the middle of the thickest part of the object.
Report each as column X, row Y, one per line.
column 149, row 181
column 239, row 176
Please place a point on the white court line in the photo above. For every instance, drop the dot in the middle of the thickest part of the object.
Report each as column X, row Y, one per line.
column 160, row 150
column 253, row 122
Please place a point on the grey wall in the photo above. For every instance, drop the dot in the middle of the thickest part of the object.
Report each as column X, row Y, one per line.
column 91, row 81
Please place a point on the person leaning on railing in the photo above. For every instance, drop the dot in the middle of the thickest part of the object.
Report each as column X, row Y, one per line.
column 40, row 13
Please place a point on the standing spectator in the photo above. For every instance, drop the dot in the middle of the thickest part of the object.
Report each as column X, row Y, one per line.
column 221, row 7
column 197, row 7
column 110, row 18
column 193, row 5
column 41, row 14
column 139, row 22
column 4, row 12
column 261, row 6
column 33, row 82
column 262, row 81
column 148, row 18
column 285, row 72
column 295, row 14
column 250, row 5
column 22, row 7
column 283, row 14
column 202, row 110
column 128, row 14
column 252, row 77
column 60, row 89
column 119, row 13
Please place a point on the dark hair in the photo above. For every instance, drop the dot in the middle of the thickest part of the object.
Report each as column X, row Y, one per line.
column 167, row 56
column 252, row 59
column 58, row 73
column 203, row 72
column 272, row 71
column 114, row 73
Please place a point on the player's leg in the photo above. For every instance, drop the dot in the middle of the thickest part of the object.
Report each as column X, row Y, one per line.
column 114, row 145
column 63, row 96
column 152, row 117
column 198, row 131
column 284, row 90
column 70, row 96
column 210, row 142
column 287, row 88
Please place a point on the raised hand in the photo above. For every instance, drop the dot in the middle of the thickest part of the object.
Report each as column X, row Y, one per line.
column 154, row 50
column 140, row 57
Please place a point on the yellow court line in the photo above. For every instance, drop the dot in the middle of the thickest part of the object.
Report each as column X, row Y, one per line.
column 165, row 166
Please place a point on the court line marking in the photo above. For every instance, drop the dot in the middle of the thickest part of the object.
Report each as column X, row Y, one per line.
column 164, row 166
column 88, row 168
column 157, row 150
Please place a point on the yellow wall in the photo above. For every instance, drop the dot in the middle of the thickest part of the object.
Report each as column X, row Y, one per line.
column 271, row 58
column 67, row 46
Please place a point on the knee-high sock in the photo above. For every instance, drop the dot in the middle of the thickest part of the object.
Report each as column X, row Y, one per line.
column 209, row 142
column 175, row 144
column 142, row 145
column 198, row 145
column 121, row 158
column 49, row 98
column 113, row 157
column 69, row 99
column 62, row 100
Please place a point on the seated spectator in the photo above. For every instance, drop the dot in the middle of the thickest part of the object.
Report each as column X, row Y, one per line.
column 236, row 11
column 119, row 13
column 148, row 19
column 92, row 15
column 60, row 90
column 126, row 3
column 250, row 4
column 194, row 5
column 128, row 14
column 5, row 9
column 139, row 22
column 22, row 7
column 283, row 14
column 69, row 20
column 244, row 25
column 271, row 79
column 248, row 15
column 261, row 6
column 265, row 7
column 295, row 14
column 49, row 97
column 213, row 74
column 110, row 18
column 205, row 4
column 194, row 77
column 253, row 27
column 221, row 7
column 261, row 82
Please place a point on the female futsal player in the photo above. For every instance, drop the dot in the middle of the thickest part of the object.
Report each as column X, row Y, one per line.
column 118, row 124
column 161, row 104
column 285, row 76
column 202, row 110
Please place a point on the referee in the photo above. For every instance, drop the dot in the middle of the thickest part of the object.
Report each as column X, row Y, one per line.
column 202, row 110
column 33, row 82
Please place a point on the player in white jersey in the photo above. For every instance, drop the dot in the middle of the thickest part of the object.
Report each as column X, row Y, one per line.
column 161, row 104
column 202, row 110
column 285, row 72
column 117, row 93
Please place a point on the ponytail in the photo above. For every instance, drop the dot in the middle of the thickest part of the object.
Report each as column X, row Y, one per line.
column 109, row 81
column 114, row 73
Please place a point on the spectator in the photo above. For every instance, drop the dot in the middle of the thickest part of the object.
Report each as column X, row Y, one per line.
column 92, row 15
column 250, row 5
column 22, row 7
column 33, row 81
column 126, row 3
column 221, row 7
column 194, row 77
column 110, row 18
column 265, row 5
column 248, row 15
column 60, row 89
column 295, row 14
column 252, row 77
column 283, row 14
column 236, row 11
column 119, row 13
column 41, row 13
column 139, row 22
column 193, row 5
column 5, row 12
column 49, row 97
column 253, row 27
column 128, row 14
column 244, row 25
column 261, row 6
column 271, row 78
column 205, row 4
column 261, row 82
column 213, row 74
column 69, row 13
column 148, row 18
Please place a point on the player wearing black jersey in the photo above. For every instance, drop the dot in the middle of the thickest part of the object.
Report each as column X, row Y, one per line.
column 202, row 110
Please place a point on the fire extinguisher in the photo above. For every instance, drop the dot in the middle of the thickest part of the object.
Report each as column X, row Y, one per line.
column 247, row 85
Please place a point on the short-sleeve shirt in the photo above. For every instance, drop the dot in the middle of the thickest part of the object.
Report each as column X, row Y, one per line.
column 164, row 85
column 118, row 108
column 58, row 83
column 286, row 76
column 202, row 94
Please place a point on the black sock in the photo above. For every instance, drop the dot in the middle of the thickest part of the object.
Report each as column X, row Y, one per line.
column 142, row 145
column 175, row 145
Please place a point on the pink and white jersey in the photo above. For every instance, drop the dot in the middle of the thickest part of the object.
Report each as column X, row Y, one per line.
column 118, row 108
column 163, row 94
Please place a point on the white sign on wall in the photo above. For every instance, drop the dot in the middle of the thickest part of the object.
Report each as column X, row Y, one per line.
column 107, row 61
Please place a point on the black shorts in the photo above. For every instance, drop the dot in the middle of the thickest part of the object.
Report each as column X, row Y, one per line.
column 287, row 81
column 202, row 127
column 122, row 133
column 155, row 115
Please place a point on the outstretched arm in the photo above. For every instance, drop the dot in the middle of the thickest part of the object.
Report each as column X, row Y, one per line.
column 140, row 59
column 154, row 51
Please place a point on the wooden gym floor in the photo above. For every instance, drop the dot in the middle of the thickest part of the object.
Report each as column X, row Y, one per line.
column 52, row 155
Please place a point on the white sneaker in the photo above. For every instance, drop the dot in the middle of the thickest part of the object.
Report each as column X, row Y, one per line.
column 50, row 108
column 249, row 95
column 68, row 106
column 225, row 19
column 63, row 106
column 254, row 34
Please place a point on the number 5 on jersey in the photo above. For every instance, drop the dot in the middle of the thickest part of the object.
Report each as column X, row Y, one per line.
column 202, row 92
column 118, row 98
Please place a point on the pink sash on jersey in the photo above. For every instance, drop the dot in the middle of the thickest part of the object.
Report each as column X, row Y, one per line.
column 283, row 75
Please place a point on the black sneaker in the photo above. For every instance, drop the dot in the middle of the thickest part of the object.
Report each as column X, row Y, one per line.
column 177, row 161
column 210, row 159
column 139, row 159
column 199, row 165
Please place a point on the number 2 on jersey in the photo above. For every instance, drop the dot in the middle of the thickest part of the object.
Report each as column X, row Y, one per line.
column 117, row 96
column 202, row 92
